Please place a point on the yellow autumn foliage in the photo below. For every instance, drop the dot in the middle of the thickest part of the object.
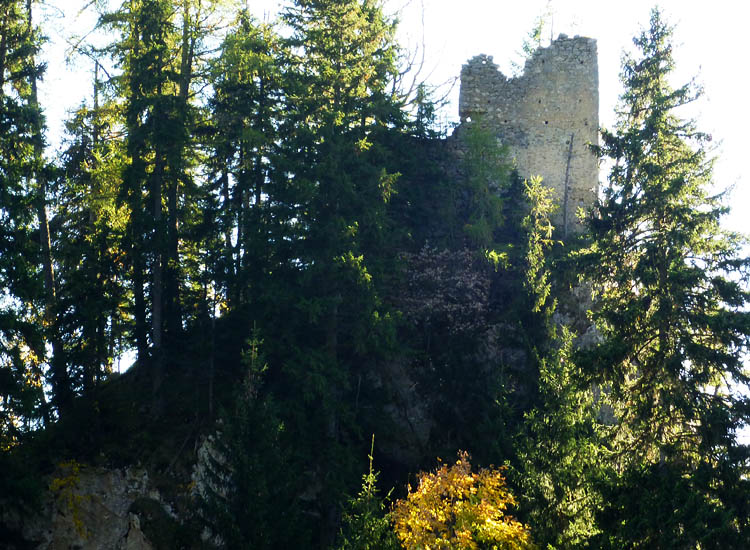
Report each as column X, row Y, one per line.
column 456, row 509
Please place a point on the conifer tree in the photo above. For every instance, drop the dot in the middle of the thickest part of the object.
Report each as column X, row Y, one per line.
column 245, row 112
column 27, row 308
column 59, row 377
column 92, row 295
column 558, row 444
column 671, row 297
column 159, row 51
column 340, row 98
column 146, row 51
column 338, row 83
column 366, row 522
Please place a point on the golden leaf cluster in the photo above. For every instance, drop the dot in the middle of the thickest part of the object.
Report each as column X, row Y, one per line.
column 456, row 509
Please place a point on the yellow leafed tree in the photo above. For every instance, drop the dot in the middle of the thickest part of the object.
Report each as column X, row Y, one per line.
column 456, row 509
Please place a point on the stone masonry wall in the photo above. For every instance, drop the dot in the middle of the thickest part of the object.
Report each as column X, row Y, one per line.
column 548, row 116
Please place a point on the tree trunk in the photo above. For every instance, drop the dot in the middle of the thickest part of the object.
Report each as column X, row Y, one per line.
column 137, row 223
column 141, row 331
column 173, row 314
column 62, row 390
column 157, row 282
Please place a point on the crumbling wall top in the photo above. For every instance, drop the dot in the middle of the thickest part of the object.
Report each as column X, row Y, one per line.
column 548, row 117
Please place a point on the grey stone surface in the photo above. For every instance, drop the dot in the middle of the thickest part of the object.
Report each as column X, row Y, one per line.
column 88, row 509
column 548, row 116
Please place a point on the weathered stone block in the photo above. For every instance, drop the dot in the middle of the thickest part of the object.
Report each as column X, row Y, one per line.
column 548, row 117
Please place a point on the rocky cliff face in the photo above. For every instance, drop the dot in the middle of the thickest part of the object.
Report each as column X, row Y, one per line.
column 88, row 508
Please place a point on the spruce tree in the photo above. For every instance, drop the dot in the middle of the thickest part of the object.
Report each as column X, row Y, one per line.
column 558, row 450
column 92, row 296
column 671, row 306
column 27, row 314
column 334, row 186
column 245, row 207
column 159, row 50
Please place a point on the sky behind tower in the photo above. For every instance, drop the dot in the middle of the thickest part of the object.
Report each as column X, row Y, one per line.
column 709, row 38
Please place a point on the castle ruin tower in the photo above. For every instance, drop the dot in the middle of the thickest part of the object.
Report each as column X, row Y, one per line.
column 547, row 117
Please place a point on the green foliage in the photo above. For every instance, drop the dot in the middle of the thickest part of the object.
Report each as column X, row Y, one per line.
column 243, row 199
column 487, row 173
column 533, row 39
column 671, row 307
column 425, row 124
column 558, row 446
column 673, row 506
column 92, row 297
column 253, row 485
column 159, row 46
column 322, row 310
column 560, row 452
column 25, row 307
column 366, row 523
column 539, row 240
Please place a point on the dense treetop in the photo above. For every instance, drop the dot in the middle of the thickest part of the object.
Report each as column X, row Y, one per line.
column 298, row 258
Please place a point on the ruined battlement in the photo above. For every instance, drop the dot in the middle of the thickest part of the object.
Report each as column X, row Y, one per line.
column 548, row 116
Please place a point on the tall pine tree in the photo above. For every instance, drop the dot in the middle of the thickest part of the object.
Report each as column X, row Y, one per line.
column 160, row 50
column 23, row 304
column 671, row 294
column 93, row 299
column 332, row 189
column 245, row 111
